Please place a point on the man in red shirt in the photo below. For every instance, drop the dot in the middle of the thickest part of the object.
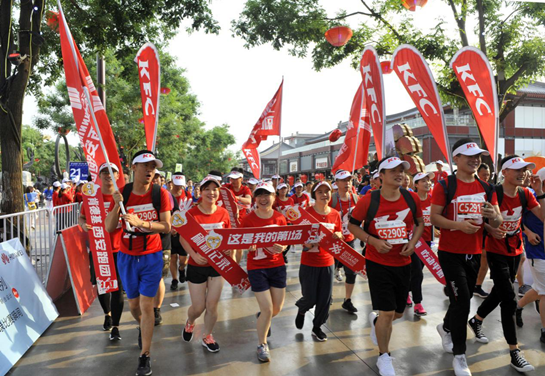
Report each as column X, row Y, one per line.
column 243, row 194
column 56, row 189
column 504, row 248
column 140, row 260
column 440, row 174
column 387, row 232
column 462, row 223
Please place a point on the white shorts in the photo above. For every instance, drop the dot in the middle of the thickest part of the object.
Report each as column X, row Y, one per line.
column 537, row 267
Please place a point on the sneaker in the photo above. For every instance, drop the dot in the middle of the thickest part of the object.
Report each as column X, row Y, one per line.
column 114, row 334
column 319, row 334
column 446, row 338
column 174, row 285
column 372, row 318
column 524, row 289
column 181, row 273
column 409, row 301
column 518, row 317
column 144, row 366
column 158, row 317
column 139, row 338
column 477, row 327
column 263, row 354
column 107, row 323
column 187, row 333
column 300, row 320
column 478, row 291
column 269, row 332
column 519, row 363
column 385, row 366
column 542, row 338
column 210, row 344
column 419, row 310
column 338, row 275
column 348, row 306
column 460, row 365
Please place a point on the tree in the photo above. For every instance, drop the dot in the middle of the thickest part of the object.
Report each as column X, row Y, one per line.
column 511, row 37
column 95, row 25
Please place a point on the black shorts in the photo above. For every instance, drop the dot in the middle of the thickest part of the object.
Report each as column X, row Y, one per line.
column 263, row 279
column 200, row 274
column 388, row 285
column 177, row 248
column 166, row 262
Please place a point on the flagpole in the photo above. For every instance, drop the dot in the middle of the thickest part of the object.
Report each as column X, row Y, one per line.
column 280, row 130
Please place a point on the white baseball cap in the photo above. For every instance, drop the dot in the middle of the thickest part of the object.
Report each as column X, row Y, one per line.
column 469, row 149
column 334, row 186
column 440, row 162
column 275, row 177
column 64, row 186
column 323, row 182
column 264, row 186
column 105, row 166
column 147, row 156
column 342, row 174
column 541, row 174
column 178, row 179
column 235, row 175
column 393, row 162
column 56, row 184
column 517, row 163
column 376, row 175
column 65, row 180
column 212, row 178
column 281, row 185
column 253, row 181
column 422, row 175
column 298, row 184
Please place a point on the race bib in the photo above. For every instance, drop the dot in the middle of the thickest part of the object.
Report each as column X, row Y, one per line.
column 469, row 207
column 394, row 232
column 510, row 224
column 426, row 216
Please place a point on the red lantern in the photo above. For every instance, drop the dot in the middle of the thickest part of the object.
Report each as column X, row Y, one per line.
column 412, row 4
column 335, row 135
column 304, row 178
column 338, row 36
column 165, row 90
column 386, row 67
column 53, row 20
column 291, row 179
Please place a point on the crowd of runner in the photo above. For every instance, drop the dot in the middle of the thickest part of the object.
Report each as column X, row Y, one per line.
column 388, row 213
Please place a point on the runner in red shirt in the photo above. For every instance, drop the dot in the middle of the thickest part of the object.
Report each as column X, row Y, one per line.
column 483, row 173
column 178, row 253
column 64, row 196
column 140, row 260
column 389, row 249
column 243, row 195
column 266, row 267
column 504, row 246
column 461, row 222
column 205, row 283
column 317, row 270
column 440, row 174
column 56, row 190
column 282, row 201
column 344, row 201
column 299, row 198
column 111, row 303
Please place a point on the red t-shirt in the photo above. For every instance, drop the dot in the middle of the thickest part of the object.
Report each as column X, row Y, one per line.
column 302, row 201
column 79, row 197
column 511, row 211
column 216, row 220
column 262, row 258
column 64, row 199
column 428, row 228
column 345, row 208
column 317, row 256
column 55, row 198
column 243, row 191
column 282, row 205
column 115, row 237
column 440, row 176
column 142, row 206
column 466, row 204
column 395, row 223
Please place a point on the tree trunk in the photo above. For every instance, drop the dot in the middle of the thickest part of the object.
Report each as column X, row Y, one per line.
column 12, row 162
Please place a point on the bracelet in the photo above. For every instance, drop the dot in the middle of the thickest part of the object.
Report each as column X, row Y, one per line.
column 540, row 196
column 149, row 225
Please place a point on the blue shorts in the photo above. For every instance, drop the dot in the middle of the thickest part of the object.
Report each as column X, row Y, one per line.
column 263, row 279
column 140, row 274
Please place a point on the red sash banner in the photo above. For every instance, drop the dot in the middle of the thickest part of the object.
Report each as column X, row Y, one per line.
column 371, row 74
column 429, row 258
column 230, row 204
column 415, row 75
column 353, row 153
column 149, row 72
column 475, row 75
column 77, row 80
column 207, row 246
column 99, row 239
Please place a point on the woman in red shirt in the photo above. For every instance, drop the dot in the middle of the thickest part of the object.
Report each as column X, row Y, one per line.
column 299, row 198
column 64, row 195
column 317, row 265
column 266, row 267
column 205, row 283
column 282, row 201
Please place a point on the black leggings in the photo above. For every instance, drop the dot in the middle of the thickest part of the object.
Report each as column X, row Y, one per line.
column 417, row 276
column 350, row 275
column 114, row 301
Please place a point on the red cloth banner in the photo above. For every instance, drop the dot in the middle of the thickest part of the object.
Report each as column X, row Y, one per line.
column 267, row 125
column 475, row 75
column 207, row 246
column 417, row 78
column 99, row 239
column 230, row 204
column 371, row 74
column 429, row 258
column 149, row 72
column 353, row 153
column 77, row 78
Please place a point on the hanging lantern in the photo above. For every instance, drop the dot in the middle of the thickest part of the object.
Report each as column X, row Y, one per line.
column 304, row 178
column 335, row 135
column 386, row 67
column 412, row 4
column 291, row 179
column 165, row 91
column 338, row 36
column 52, row 20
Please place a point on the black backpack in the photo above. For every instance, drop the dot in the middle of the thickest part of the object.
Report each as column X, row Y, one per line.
column 336, row 198
column 375, row 201
column 524, row 204
column 450, row 189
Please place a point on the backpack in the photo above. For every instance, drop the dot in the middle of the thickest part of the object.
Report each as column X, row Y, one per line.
column 336, row 197
column 375, row 201
column 450, row 189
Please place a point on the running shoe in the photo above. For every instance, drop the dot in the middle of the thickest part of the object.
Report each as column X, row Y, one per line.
column 210, row 344
column 520, row 363
column 385, row 366
column 480, row 292
column 460, row 365
column 477, row 327
column 263, row 354
column 300, row 320
column 409, row 301
column 114, row 334
column 372, row 319
column 348, row 306
column 319, row 334
column 144, row 366
column 518, row 317
column 446, row 338
column 187, row 333
column 174, row 285
column 419, row 310
column 107, row 323
column 139, row 338
column 158, row 317
column 542, row 338
column 338, row 275
column 270, row 330
column 524, row 289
